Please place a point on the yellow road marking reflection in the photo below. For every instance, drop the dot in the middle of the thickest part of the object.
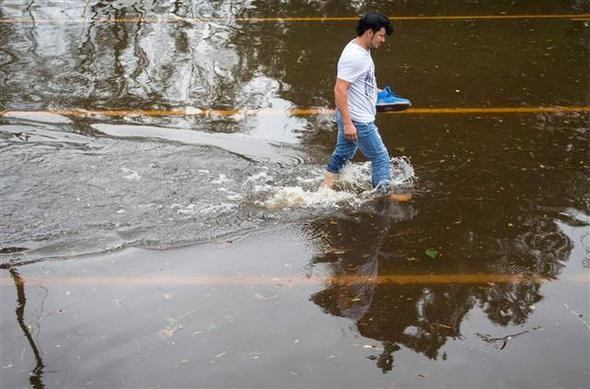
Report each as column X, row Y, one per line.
column 295, row 111
column 409, row 279
column 169, row 20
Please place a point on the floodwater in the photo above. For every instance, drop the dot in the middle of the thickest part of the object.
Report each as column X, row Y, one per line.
column 161, row 224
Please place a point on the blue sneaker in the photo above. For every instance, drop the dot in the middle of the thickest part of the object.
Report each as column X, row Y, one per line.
column 388, row 100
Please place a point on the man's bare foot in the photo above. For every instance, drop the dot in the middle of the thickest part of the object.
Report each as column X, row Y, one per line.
column 329, row 180
column 399, row 197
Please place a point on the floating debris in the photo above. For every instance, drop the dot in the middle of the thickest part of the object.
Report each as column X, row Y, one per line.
column 578, row 316
column 500, row 343
column 172, row 327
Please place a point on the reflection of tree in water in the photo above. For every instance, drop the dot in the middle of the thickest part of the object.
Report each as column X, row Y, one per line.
column 538, row 249
column 135, row 62
column 36, row 375
column 418, row 316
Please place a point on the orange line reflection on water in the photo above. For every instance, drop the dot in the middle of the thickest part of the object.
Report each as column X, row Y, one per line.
column 297, row 111
column 409, row 279
column 165, row 20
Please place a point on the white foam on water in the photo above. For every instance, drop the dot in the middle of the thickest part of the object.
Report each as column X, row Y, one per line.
column 353, row 187
column 357, row 176
column 296, row 196
column 280, row 190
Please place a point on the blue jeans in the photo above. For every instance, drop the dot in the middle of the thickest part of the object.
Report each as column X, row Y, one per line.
column 370, row 143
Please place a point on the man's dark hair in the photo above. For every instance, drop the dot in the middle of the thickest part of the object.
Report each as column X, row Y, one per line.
column 374, row 21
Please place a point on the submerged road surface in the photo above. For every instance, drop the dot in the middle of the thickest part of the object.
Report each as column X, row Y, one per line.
column 161, row 223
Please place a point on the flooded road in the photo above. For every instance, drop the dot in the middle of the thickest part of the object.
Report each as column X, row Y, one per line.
column 161, row 224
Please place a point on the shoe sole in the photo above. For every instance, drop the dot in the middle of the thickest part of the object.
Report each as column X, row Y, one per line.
column 392, row 107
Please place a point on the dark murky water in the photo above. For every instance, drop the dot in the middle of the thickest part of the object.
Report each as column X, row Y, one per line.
column 296, row 287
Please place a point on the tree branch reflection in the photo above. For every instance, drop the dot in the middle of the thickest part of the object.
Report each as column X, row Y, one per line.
column 37, row 373
column 362, row 247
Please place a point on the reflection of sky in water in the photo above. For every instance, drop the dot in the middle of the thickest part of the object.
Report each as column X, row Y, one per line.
column 275, row 124
column 92, row 64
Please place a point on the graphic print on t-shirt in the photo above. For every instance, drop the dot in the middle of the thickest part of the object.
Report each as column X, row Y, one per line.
column 369, row 82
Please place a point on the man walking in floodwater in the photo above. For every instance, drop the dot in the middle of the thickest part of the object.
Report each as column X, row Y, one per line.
column 355, row 95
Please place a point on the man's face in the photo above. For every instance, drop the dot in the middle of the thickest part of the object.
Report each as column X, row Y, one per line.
column 377, row 38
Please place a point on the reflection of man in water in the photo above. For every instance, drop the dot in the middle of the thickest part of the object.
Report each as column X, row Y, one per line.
column 418, row 317
column 356, row 270
column 355, row 94
column 355, row 263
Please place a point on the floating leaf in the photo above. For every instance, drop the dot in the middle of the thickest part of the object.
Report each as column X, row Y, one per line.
column 172, row 327
column 432, row 253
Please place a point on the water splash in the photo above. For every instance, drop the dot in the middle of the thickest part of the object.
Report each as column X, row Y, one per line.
column 356, row 177
column 352, row 189
column 299, row 197
column 155, row 194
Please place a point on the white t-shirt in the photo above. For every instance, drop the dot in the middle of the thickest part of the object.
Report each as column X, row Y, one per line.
column 356, row 66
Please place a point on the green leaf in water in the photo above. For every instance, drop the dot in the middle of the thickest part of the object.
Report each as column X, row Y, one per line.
column 432, row 253
column 401, row 149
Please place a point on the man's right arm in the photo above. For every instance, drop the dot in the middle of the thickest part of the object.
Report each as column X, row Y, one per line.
column 341, row 100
